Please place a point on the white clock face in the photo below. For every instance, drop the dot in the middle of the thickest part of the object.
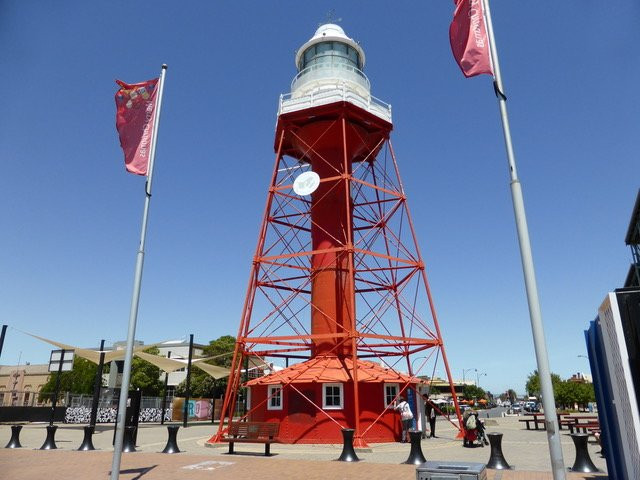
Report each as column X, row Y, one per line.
column 306, row 183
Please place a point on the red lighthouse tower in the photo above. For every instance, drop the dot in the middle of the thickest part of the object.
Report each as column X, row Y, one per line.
column 338, row 311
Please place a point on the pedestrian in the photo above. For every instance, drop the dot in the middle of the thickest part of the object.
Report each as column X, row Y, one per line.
column 431, row 415
column 406, row 417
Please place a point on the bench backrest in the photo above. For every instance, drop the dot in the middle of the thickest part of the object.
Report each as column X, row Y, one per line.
column 254, row 429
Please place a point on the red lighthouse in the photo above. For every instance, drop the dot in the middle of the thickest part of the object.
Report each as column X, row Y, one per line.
column 338, row 293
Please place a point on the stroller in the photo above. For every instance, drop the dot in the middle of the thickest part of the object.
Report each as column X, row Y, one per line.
column 473, row 430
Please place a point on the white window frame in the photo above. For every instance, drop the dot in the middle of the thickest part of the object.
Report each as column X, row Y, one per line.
column 324, row 396
column 384, row 393
column 270, row 397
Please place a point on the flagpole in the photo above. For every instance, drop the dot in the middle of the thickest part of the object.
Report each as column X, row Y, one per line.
column 135, row 300
column 539, row 342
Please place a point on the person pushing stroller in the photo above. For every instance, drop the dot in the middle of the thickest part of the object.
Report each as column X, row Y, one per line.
column 473, row 429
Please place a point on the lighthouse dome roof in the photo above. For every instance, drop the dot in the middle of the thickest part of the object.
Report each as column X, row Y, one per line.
column 330, row 32
column 330, row 29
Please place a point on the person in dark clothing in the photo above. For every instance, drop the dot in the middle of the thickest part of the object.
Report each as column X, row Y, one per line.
column 431, row 416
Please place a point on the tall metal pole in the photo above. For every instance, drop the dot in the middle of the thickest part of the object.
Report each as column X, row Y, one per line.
column 97, row 387
column 135, row 300
column 56, row 390
column 4, row 330
column 186, row 400
column 164, row 393
column 539, row 342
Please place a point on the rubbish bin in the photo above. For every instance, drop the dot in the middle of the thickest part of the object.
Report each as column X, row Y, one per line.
column 435, row 470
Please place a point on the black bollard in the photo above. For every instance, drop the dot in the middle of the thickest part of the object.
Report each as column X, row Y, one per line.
column 172, row 442
column 87, row 442
column 415, row 455
column 583, row 461
column 496, row 459
column 50, row 442
column 348, row 453
column 15, row 437
column 128, row 445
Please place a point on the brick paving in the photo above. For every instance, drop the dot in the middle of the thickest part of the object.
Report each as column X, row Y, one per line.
column 526, row 450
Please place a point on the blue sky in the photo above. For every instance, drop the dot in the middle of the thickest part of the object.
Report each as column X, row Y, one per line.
column 70, row 215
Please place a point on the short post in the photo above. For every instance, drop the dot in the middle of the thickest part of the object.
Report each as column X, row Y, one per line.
column 128, row 445
column 416, row 456
column 172, row 442
column 583, row 461
column 50, row 442
column 348, row 453
column 496, row 459
column 87, row 442
column 15, row 437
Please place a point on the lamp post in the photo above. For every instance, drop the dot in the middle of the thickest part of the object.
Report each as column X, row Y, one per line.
column 465, row 371
column 478, row 375
column 414, row 361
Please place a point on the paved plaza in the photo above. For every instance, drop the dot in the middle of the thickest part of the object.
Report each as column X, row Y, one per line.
column 525, row 450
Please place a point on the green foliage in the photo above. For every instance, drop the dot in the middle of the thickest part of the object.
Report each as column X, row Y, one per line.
column 566, row 393
column 202, row 385
column 533, row 383
column 146, row 376
column 470, row 392
column 79, row 380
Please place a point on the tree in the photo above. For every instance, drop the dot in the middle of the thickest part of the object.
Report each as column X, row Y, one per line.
column 203, row 385
column 470, row 392
column 585, row 394
column 79, row 380
column 146, row 376
column 533, row 383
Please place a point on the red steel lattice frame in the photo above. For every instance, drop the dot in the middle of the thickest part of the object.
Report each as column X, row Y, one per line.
column 385, row 273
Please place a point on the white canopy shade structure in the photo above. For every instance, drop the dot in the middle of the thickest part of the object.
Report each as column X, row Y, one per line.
column 164, row 363
column 213, row 370
column 91, row 355
column 173, row 364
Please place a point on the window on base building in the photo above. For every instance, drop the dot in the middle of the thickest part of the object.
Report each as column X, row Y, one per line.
column 390, row 392
column 332, row 396
column 274, row 401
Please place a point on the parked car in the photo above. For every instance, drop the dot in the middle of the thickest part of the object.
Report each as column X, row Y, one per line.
column 532, row 407
column 516, row 408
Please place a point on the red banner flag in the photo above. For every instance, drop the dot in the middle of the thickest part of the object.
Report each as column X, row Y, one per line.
column 468, row 37
column 135, row 116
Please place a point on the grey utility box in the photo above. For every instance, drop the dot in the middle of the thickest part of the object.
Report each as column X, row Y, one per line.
column 435, row 470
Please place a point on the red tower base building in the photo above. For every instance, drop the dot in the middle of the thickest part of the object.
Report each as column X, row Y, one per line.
column 337, row 286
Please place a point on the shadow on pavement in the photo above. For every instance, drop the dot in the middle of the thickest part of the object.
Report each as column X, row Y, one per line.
column 140, row 471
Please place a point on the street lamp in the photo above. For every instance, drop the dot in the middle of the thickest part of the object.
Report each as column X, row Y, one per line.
column 413, row 372
column 478, row 375
column 465, row 371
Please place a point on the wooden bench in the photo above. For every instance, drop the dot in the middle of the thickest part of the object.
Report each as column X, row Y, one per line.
column 585, row 427
column 570, row 423
column 578, row 423
column 535, row 420
column 252, row 432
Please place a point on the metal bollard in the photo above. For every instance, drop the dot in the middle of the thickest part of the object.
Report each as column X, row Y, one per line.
column 87, row 442
column 348, row 453
column 415, row 455
column 50, row 442
column 15, row 437
column 128, row 445
column 496, row 459
column 172, row 442
column 583, row 461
